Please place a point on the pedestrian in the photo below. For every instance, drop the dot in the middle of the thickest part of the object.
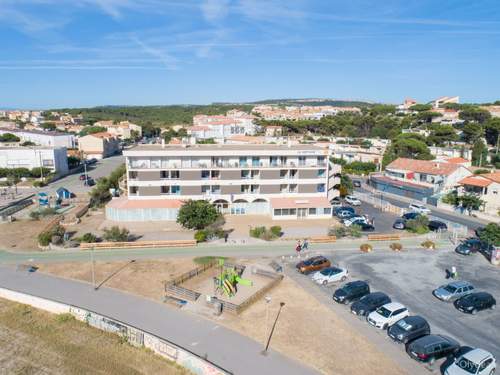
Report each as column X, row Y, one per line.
column 454, row 273
column 305, row 244
column 226, row 236
column 298, row 248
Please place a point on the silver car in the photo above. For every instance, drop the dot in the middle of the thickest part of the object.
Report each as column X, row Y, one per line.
column 453, row 290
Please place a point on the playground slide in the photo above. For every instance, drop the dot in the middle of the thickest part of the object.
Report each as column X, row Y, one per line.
column 241, row 281
column 228, row 285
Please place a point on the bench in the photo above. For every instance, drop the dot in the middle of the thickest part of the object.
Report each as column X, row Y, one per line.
column 384, row 237
column 137, row 244
column 323, row 239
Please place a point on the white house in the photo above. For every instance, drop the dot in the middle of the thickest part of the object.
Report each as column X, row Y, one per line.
column 43, row 138
column 53, row 158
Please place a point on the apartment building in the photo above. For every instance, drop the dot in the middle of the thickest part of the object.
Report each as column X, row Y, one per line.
column 220, row 127
column 419, row 179
column 99, row 145
column 122, row 130
column 43, row 138
column 280, row 181
column 53, row 158
column 439, row 102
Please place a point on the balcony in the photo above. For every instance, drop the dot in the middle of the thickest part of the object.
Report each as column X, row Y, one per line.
column 227, row 164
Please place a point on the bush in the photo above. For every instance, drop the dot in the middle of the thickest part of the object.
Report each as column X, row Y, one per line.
column 200, row 236
column 39, row 183
column 42, row 212
column 257, row 232
column 266, row 234
column 65, row 317
column 366, row 248
column 44, row 238
column 420, row 225
column 197, row 214
column 276, row 230
column 338, row 232
column 88, row 238
column 429, row 245
column 396, row 246
column 116, row 234
column 355, row 231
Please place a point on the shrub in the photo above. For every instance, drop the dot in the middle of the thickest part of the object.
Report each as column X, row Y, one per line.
column 197, row 214
column 355, row 231
column 276, row 230
column 338, row 232
column 65, row 317
column 420, row 225
column 88, row 238
column 39, row 183
column 265, row 234
column 366, row 248
column 257, row 232
column 395, row 246
column 116, row 234
column 429, row 245
column 200, row 236
column 35, row 215
column 44, row 238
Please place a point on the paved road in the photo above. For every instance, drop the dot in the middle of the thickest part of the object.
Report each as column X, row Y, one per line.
column 411, row 276
column 470, row 222
column 226, row 348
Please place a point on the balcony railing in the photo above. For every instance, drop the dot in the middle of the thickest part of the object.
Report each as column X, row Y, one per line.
column 228, row 165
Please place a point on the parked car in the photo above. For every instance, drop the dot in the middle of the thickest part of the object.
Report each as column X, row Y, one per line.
column 351, row 291
column 344, row 214
column 453, row 290
column 365, row 227
column 336, row 202
column 313, row 264
column 344, row 208
column 358, row 219
column 410, row 215
column 352, row 200
column 408, row 329
column 399, row 224
column 90, row 161
column 420, row 208
column 476, row 361
column 387, row 315
column 356, row 183
column 83, row 176
column 469, row 246
column 369, row 303
column 474, row 302
column 437, row 226
column 431, row 347
column 330, row 275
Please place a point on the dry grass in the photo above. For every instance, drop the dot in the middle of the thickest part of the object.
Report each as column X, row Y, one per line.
column 35, row 342
column 21, row 235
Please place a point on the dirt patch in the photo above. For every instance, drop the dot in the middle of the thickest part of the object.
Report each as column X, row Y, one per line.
column 142, row 277
column 21, row 235
column 37, row 342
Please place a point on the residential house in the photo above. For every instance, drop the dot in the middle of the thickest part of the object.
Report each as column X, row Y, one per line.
column 486, row 187
column 53, row 158
column 439, row 102
column 43, row 138
column 274, row 131
column 99, row 145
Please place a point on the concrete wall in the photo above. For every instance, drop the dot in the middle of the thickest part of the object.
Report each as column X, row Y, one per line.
column 269, row 189
column 191, row 175
column 308, row 173
column 142, row 214
column 230, row 175
column 191, row 190
column 270, row 174
column 230, row 189
column 307, row 188
column 149, row 191
column 148, row 175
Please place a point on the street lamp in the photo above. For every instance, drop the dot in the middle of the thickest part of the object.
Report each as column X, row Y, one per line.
column 264, row 352
column 268, row 300
column 92, row 267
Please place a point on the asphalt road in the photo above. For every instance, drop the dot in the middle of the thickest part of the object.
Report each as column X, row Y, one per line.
column 224, row 347
column 410, row 277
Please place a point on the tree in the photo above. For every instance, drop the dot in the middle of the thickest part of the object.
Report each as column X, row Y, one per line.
column 73, row 161
column 197, row 214
column 116, row 234
column 427, row 116
column 419, row 225
column 345, row 187
column 479, row 153
column 9, row 137
column 91, row 130
column 48, row 126
column 492, row 131
column 471, row 132
column 441, row 135
column 471, row 202
column 407, row 146
column 359, row 167
column 491, row 234
column 100, row 194
column 421, row 107
column 474, row 114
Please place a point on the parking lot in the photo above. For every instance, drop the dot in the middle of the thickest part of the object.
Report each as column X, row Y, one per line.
column 409, row 278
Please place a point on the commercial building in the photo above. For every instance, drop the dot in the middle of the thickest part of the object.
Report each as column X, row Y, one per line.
column 99, row 145
column 419, row 179
column 43, row 138
column 53, row 158
column 281, row 181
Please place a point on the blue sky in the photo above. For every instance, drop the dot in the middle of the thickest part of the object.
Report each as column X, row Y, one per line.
column 57, row 53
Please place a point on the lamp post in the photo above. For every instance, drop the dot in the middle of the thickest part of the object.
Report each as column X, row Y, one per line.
column 268, row 300
column 92, row 267
column 264, row 352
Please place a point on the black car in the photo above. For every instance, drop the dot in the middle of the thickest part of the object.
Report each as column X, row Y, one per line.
column 366, row 227
column 431, row 347
column 89, row 181
column 369, row 303
column 409, row 329
column 344, row 208
column 351, row 291
column 399, row 224
column 436, row 225
column 469, row 246
column 411, row 215
column 356, row 183
column 474, row 302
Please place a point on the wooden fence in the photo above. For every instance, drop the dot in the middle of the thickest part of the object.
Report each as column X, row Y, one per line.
column 138, row 244
column 384, row 237
column 173, row 288
column 323, row 239
column 254, row 297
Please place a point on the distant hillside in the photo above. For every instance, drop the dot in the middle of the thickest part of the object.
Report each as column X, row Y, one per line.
column 314, row 102
column 152, row 115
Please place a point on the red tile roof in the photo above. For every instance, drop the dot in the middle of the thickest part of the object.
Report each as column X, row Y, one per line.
column 457, row 160
column 423, row 166
column 475, row 181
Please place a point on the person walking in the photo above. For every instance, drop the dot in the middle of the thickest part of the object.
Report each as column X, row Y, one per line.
column 298, row 248
column 305, row 244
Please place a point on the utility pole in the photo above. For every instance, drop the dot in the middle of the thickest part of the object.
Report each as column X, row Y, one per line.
column 264, row 352
column 268, row 300
column 92, row 266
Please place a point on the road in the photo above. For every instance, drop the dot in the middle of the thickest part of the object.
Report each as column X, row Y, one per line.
column 470, row 222
column 224, row 347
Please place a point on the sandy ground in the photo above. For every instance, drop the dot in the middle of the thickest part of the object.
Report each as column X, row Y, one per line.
column 21, row 234
column 36, row 342
column 307, row 330
column 143, row 277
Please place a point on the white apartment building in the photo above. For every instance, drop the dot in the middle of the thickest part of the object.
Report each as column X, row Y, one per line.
column 43, row 138
column 220, row 127
column 53, row 158
column 284, row 182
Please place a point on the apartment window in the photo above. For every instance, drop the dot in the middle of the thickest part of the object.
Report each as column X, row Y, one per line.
column 285, row 212
column 215, row 189
column 165, row 189
column 293, row 173
column 255, row 174
column 273, row 161
column 293, row 188
column 327, row 211
column 175, row 189
column 320, row 188
column 245, row 188
column 321, row 172
column 423, row 177
column 132, row 175
column 48, row 163
column 243, row 161
column 205, row 189
column 292, row 212
column 302, row 160
column 321, row 160
column 255, row 161
column 164, row 174
column 174, row 174
column 205, row 175
column 155, row 163
column 312, row 211
column 277, row 212
column 215, row 175
column 134, row 190
column 283, row 173
column 254, row 188
column 245, row 174
column 283, row 188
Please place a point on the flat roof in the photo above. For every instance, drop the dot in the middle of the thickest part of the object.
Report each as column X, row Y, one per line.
column 226, row 147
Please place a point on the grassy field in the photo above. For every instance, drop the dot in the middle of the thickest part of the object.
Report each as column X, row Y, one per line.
column 35, row 342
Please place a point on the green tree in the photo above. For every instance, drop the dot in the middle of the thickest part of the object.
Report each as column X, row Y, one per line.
column 479, row 153
column 359, row 167
column 73, row 161
column 492, row 131
column 471, row 132
column 421, row 107
column 48, row 126
column 197, row 214
column 9, row 137
column 471, row 202
column 419, row 225
column 406, row 146
column 441, row 135
column 346, row 186
column 491, row 234
column 100, row 194
column 474, row 114
column 91, row 130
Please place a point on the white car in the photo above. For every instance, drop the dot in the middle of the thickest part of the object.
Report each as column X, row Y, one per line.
column 420, row 208
column 355, row 220
column 387, row 315
column 477, row 362
column 330, row 275
column 352, row 200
